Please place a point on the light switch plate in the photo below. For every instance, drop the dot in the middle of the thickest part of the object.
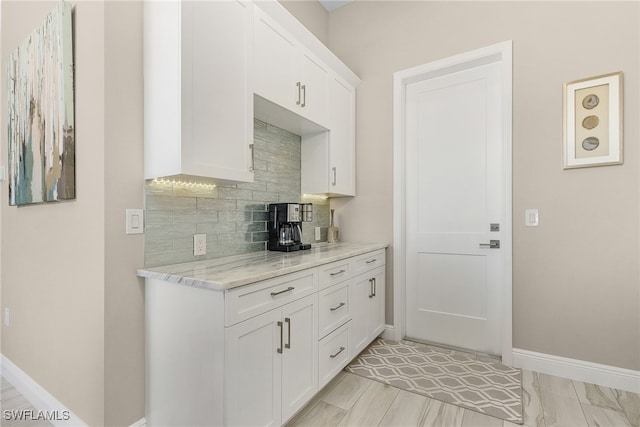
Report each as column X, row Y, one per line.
column 531, row 218
column 134, row 221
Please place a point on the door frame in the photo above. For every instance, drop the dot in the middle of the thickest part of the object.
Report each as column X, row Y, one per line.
column 500, row 52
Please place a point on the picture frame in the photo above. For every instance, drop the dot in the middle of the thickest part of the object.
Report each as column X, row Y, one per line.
column 592, row 121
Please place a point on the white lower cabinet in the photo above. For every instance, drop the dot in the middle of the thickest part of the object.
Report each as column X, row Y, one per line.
column 300, row 354
column 272, row 367
column 366, row 295
column 256, row 354
column 254, row 371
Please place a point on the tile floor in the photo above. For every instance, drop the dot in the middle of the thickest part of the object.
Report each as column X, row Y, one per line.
column 11, row 400
column 350, row 400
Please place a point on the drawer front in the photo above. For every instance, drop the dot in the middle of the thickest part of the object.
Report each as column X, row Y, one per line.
column 251, row 300
column 334, row 354
column 334, row 272
column 367, row 262
column 334, row 308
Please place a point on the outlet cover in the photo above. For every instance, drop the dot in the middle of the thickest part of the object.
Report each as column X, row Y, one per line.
column 199, row 244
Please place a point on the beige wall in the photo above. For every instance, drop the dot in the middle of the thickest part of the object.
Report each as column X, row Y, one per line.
column 68, row 269
column 575, row 278
column 312, row 15
column 53, row 254
column 124, row 169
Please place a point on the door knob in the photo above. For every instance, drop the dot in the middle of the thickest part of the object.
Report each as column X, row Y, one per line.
column 493, row 244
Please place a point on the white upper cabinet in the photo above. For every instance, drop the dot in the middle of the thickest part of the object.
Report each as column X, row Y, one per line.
column 198, row 73
column 301, row 86
column 328, row 159
column 276, row 58
column 342, row 139
column 314, row 88
column 287, row 73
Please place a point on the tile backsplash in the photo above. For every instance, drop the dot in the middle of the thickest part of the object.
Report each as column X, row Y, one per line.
column 234, row 217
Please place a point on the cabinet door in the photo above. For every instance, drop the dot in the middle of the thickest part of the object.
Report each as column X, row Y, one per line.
column 218, row 90
column 275, row 66
column 300, row 355
column 376, row 320
column 314, row 78
column 253, row 371
column 360, row 293
column 342, row 139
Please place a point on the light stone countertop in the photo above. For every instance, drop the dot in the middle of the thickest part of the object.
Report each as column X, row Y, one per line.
column 230, row 272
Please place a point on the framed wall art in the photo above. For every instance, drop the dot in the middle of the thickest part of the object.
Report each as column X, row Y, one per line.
column 592, row 112
column 40, row 121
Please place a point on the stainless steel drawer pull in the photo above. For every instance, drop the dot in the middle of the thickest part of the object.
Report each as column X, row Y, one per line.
column 371, row 260
column 342, row 304
column 290, row 288
column 281, row 333
column 333, row 356
column 338, row 272
column 288, row 322
column 371, row 288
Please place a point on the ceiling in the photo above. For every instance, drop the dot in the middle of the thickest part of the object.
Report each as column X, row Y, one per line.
column 334, row 4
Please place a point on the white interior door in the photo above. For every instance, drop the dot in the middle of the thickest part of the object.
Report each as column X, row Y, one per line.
column 454, row 193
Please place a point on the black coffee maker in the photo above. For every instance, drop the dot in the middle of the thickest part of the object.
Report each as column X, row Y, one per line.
column 285, row 226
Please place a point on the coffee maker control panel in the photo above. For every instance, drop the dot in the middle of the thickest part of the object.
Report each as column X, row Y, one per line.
column 293, row 212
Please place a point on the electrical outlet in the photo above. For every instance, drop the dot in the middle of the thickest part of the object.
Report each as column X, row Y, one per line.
column 317, row 233
column 199, row 244
column 6, row 317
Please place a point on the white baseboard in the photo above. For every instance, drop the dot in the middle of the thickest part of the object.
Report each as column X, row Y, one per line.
column 388, row 333
column 588, row 372
column 140, row 423
column 40, row 398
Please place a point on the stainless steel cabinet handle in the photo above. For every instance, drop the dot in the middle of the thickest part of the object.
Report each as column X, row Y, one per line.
column 335, row 175
column 370, row 288
column 290, row 288
column 288, row 322
column 338, row 272
column 298, row 100
column 493, row 244
column 342, row 304
column 281, row 329
column 333, row 356
column 371, row 260
column 304, row 96
column 375, row 285
column 253, row 158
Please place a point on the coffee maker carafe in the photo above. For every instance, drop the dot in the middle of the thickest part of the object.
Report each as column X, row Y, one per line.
column 285, row 226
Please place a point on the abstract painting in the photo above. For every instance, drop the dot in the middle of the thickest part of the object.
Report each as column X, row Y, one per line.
column 40, row 125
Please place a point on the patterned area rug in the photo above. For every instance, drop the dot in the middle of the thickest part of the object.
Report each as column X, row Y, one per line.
column 484, row 386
